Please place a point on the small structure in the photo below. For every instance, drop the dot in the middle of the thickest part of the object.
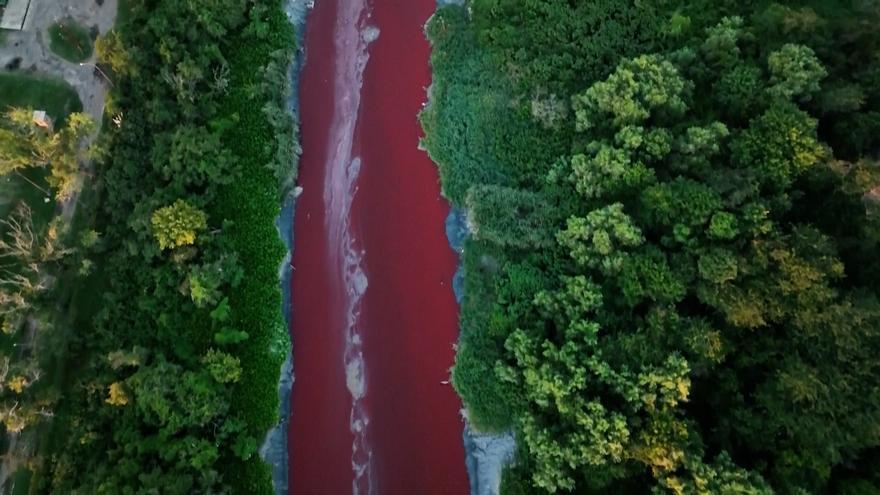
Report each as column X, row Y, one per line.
column 14, row 14
column 42, row 120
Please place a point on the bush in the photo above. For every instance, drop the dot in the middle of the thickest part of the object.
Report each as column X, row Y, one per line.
column 70, row 41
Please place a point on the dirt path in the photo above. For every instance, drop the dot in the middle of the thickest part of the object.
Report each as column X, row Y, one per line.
column 31, row 45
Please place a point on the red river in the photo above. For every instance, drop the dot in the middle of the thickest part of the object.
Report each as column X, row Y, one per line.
column 374, row 317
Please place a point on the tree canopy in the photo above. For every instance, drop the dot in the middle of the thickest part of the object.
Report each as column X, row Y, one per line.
column 701, row 323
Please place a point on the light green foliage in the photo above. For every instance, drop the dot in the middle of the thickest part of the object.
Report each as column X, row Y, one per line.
column 112, row 51
column 699, row 145
column 122, row 359
column 678, row 24
column 217, row 16
column 723, row 226
column 173, row 399
column 638, row 88
column 718, row 266
column 24, row 144
column 223, row 367
column 204, row 285
column 740, row 91
column 706, row 321
column 88, row 239
column 720, row 46
column 651, row 144
column 609, row 171
column 195, row 158
column 177, row 224
column 599, row 238
column 15, row 151
column 200, row 88
column 228, row 336
column 795, row 72
column 780, row 145
column 722, row 477
column 205, row 281
column 647, row 275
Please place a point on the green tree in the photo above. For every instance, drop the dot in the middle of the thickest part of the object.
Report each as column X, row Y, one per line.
column 600, row 238
column 509, row 217
column 223, row 367
column 638, row 88
column 740, row 91
column 24, row 144
column 780, row 145
column 795, row 72
column 608, row 172
column 178, row 224
column 111, row 50
column 720, row 46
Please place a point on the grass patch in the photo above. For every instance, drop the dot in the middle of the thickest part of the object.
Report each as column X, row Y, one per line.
column 29, row 186
column 53, row 95
column 21, row 482
column 70, row 41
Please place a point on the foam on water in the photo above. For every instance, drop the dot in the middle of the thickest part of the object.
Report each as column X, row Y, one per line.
column 353, row 36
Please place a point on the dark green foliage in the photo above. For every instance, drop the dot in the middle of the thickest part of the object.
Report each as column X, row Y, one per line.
column 202, row 121
column 466, row 109
column 483, row 330
column 706, row 318
column 585, row 41
column 509, row 217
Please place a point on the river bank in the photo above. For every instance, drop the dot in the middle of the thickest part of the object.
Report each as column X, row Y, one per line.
column 274, row 451
column 486, row 454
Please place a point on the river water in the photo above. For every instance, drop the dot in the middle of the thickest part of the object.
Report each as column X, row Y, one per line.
column 374, row 318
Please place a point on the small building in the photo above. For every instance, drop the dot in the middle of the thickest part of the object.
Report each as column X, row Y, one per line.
column 14, row 14
column 41, row 119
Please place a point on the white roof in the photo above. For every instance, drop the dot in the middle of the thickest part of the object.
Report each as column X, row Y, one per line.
column 14, row 15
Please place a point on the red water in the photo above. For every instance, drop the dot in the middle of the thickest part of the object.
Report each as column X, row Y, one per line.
column 407, row 319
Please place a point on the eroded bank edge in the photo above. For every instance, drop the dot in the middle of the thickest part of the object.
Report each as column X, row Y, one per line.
column 486, row 454
column 274, row 450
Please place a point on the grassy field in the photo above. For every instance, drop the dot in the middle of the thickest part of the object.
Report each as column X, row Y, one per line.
column 53, row 95
column 70, row 41
column 29, row 186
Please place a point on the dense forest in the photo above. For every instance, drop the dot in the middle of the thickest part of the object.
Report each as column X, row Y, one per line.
column 671, row 281
column 165, row 364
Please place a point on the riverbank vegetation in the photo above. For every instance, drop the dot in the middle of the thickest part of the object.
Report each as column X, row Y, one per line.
column 164, row 367
column 671, row 283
